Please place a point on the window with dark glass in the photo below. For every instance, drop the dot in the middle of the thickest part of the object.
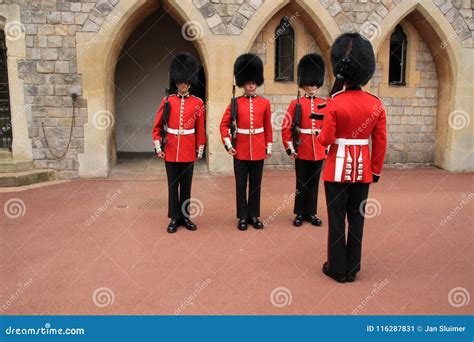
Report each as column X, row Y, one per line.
column 285, row 51
column 5, row 115
column 398, row 57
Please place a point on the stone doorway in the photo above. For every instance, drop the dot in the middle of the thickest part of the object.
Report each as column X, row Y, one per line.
column 141, row 77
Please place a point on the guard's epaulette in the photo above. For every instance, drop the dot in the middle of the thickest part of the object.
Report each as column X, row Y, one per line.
column 339, row 92
column 171, row 95
column 378, row 98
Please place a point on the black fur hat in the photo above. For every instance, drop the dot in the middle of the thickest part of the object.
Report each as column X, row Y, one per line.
column 361, row 67
column 247, row 68
column 184, row 68
column 311, row 70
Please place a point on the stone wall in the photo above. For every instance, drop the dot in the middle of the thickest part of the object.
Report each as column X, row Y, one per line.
column 231, row 16
column 280, row 100
column 411, row 120
column 50, row 75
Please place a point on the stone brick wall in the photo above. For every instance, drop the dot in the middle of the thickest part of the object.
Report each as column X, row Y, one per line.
column 49, row 70
column 411, row 122
column 231, row 16
column 280, row 102
column 50, row 76
column 227, row 16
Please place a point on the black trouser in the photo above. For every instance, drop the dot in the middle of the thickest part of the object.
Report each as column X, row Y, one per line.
column 252, row 171
column 345, row 199
column 180, row 177
column 307, row 186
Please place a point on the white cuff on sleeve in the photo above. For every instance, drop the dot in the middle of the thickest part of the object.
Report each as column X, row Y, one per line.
column 291, row 147
column 200, row 151
column 228, row 143
column 269, row 148
column 157, row 145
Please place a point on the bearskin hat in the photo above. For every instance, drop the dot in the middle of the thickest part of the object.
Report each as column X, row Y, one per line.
column 361, row 66
column 247, row 68
column 184, row 68
column 311, row 70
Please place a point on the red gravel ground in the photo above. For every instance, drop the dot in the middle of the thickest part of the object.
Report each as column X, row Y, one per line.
column 53, row 262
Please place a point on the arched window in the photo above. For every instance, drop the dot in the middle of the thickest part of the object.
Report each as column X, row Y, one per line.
column 285, row 51
column 398, row 57
column 5, row 115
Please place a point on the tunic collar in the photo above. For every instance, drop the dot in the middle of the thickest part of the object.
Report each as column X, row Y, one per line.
column 353, row 88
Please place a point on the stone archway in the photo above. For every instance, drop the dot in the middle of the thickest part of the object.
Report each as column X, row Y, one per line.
column 451, row 59
column 308, row 38
column 97, row 56
column 141, row 79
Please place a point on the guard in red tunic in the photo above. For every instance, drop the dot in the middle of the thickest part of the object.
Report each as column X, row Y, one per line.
column 179, row 137
column 352, row 118
column 246, row 132
column 300, row 138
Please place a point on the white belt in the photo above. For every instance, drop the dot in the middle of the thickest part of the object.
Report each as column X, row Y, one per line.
column 341, row 153
column 250, row 131
column 310, row 130
column 180, row 131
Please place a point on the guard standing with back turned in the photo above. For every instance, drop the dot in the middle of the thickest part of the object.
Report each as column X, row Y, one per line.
column 352, row 117
column 179, row 137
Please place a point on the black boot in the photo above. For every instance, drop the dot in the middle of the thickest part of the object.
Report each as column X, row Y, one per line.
column 255, row 222
column 189, row 224
column 298, row 221
column 350, row 278
column 242, row 225
column 314, row 220
column 326, row 271
column 173, row 226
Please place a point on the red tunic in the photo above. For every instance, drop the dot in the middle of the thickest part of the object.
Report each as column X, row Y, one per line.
column 354, row 114
column 253, row 113
column 310, row 148
column 186, row 113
